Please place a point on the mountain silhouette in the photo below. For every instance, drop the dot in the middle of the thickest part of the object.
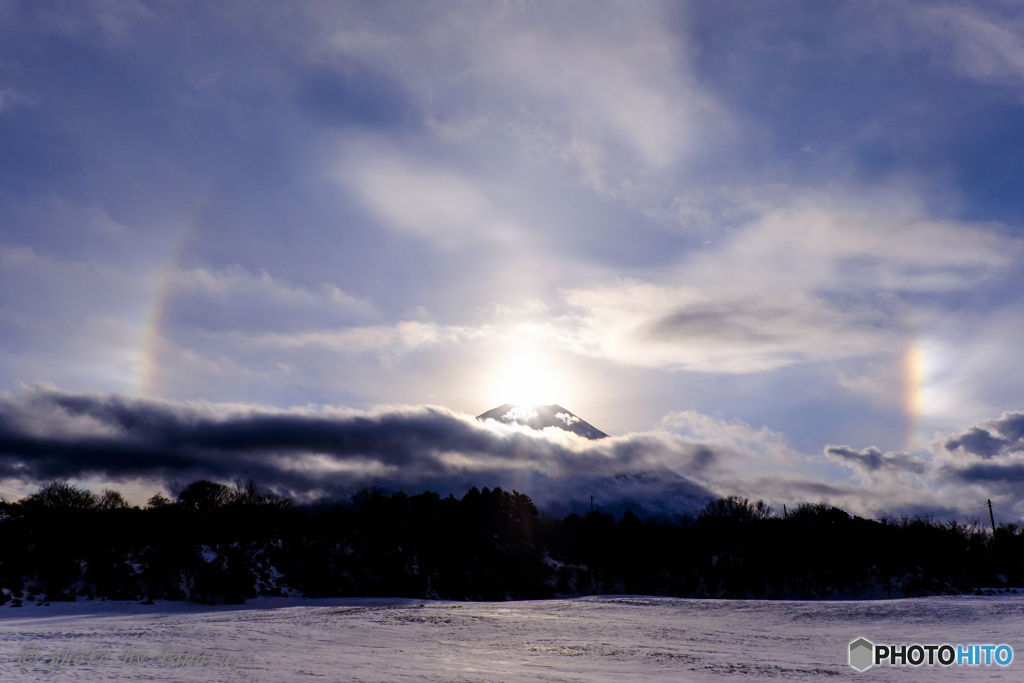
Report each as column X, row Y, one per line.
column 541, row 417
column 647, row 492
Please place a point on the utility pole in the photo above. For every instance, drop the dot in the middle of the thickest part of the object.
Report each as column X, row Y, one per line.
column 784, row 515
column 592, row 504
column 991, row 518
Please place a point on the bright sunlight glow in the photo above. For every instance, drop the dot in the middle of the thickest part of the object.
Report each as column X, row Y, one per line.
column 524, row 374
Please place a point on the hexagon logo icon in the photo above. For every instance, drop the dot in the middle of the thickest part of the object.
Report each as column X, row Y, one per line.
column 862, row 654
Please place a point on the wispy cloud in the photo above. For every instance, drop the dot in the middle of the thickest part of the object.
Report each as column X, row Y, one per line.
column 816, row 280
column 983, row 41
column 234, row 299
column 871, row 460
column 433, row 203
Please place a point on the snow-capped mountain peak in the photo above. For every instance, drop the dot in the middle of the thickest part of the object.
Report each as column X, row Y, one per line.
column 541, row 417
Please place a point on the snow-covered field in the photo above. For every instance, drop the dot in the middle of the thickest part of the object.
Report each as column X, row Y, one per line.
column 609, row 638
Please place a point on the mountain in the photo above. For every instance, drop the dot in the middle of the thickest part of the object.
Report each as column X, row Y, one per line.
column 540, row 417
column 651, row 492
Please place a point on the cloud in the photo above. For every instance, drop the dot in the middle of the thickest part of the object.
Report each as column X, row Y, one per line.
column 386, row 342
column 316, row 356
column 821, row 279
column 977, row 441
column 233, row 299
column 759, row 463
column 230, row 326
column 75, row 321
column 315, row 451
column 111, row 21
column 1001, row 437
column 985, row 43
column 623, row 84
column 610, row 92
column 235, row 279
column 966, row 468
column 1001, row 474
column 990, row 453
column 732, row 447
column 10, row 98
column 871, row 460
column 426, row 200
column 46, row 433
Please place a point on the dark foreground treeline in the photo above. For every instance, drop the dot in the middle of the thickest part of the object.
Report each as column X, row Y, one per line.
column 221, row 544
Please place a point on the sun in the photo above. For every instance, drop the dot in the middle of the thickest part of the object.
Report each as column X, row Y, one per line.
column 524, row 374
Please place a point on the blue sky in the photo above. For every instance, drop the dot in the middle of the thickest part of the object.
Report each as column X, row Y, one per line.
column 770, row 227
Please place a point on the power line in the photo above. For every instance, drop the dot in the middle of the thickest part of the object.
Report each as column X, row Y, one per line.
column 1007, row 508
column 968, row 508
column 949, row 511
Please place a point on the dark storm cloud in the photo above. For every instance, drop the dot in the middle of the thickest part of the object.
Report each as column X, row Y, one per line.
column 1011, row 425
column 989, row 473
column 977, row 441
column 871, row 459
column 988, row 452
column 46, row 434
column 990, row 438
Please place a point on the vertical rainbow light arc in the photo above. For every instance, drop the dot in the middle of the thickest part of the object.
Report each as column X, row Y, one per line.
column 913, row 376
column 149, row 379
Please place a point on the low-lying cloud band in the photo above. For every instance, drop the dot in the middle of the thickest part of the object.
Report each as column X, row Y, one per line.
column 306, row 452
column 319, row 451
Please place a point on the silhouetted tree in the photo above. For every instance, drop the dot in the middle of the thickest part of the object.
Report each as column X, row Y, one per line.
column 203, row 496
column 225, row 544
column 159, row 500
column 735, row 509
column 61, row 494
column 112, row 500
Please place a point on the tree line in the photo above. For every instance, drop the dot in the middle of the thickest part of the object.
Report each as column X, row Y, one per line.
column 224, row 544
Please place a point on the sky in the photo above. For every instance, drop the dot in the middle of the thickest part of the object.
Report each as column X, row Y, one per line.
column 774, row 247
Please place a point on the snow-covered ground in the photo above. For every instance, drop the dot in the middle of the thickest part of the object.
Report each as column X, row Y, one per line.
column 611, row 638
